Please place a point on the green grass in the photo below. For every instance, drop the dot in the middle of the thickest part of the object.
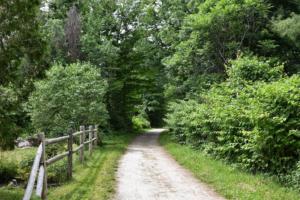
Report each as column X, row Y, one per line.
column 93, row 180
column 96, row 179
column 226, row 180
column 7, row 193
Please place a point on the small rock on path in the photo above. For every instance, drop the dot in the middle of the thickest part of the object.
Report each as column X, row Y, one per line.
column 147, row 172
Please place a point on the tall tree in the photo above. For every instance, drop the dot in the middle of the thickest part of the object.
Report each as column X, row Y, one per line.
column 21, row 45
column 22, row 60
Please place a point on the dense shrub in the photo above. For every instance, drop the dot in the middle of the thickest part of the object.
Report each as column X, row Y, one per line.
column 251, row 68
column 24, row 167
column 276, row 114
column 74, row 93
column 57, row 172
column 293, row 178
column 57, row 148
column 185, row 122
column 254, row 122
column 140, row 122
column 8, row 170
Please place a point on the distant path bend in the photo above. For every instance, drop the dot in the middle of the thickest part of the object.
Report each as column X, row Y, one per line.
column 147, row 172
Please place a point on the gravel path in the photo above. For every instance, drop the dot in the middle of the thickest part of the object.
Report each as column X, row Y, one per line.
column 147, row 172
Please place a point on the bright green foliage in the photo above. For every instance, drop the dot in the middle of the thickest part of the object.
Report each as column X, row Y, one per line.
column 74, row 93
column 252, row 69
column 255, row 125
column 276, row 135
column 183, row 119
column 140, row 122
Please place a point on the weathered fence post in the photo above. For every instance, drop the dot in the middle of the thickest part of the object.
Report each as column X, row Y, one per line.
column 43, row 163
column 33, row 174
column 70, row 155
column 82, row 138
column 90, row 138
column 96, row 134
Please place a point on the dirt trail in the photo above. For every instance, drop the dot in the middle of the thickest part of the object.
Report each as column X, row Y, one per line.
column 147, row 172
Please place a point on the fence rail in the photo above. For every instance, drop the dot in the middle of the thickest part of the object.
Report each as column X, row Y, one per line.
column 39, row 167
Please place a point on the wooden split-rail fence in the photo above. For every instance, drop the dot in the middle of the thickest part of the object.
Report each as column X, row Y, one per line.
column 41, row 162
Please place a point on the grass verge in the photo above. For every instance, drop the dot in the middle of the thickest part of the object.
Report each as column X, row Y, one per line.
column 93, row 180
column 229, row 182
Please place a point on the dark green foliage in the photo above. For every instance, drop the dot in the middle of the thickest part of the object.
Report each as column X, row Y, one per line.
column 288, row 28
column 22, row 59
column 55, row 149
column 218, row 32
column 21, row 45
column 57, row 173
column 293, row 178
column 8, row 127
column 24, row 167
column 8, row 170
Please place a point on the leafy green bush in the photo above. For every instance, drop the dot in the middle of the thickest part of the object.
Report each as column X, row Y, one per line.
column 54, row 149
column 254, row 123
column 184, row 121
column 8, row 170
column 276, row 114
column 251, row 68
column 24, row 167
column 292, row 179
column 57, row 172
column 74, row 93
column 227, row 121
column 140, row 122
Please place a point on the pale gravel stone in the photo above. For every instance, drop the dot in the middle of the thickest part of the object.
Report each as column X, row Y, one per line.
column 147, row 172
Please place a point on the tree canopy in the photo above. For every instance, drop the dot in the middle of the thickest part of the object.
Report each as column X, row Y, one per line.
column 222, row 74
